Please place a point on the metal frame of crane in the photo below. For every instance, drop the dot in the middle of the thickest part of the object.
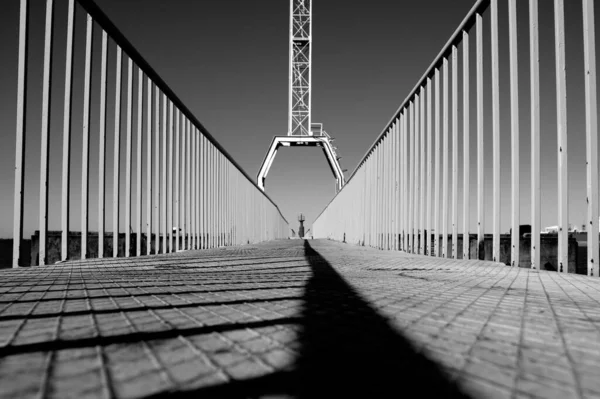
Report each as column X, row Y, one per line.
column 301, row 130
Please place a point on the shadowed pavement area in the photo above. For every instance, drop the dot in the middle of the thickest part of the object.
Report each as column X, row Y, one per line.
column 297, row 318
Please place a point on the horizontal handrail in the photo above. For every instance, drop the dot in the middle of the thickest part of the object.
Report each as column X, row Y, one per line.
column 102, row 19
column 479, row 7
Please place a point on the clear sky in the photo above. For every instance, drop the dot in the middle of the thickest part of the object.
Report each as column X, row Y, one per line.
column 228, row 62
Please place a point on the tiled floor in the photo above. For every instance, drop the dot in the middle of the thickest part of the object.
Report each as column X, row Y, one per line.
column 297, row 319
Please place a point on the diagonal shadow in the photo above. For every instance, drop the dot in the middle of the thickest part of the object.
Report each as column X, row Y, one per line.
column 347, row 350
column 136, row 337
column 147, row 308
column 203, row 288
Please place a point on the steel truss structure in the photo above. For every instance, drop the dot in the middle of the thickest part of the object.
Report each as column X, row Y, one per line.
column 301, row 130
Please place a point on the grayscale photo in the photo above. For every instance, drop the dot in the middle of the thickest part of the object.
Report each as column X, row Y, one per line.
column 299, row 199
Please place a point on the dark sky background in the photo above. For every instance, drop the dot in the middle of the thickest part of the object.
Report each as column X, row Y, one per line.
column 228, row 62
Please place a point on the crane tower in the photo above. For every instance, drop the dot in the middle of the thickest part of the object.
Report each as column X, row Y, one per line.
column 301, row 130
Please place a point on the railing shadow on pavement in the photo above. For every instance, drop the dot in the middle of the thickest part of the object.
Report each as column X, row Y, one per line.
column 347, row 349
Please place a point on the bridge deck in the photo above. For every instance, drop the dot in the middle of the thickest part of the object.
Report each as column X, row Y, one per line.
column 296, row 318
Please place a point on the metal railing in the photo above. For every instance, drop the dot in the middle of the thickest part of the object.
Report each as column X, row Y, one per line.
column 392, row 200
column 200, row 197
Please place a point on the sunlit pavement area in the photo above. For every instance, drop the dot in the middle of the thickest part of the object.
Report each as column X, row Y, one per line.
column 297, row 318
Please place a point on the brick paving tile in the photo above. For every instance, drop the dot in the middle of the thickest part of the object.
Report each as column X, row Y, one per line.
column 297, row 318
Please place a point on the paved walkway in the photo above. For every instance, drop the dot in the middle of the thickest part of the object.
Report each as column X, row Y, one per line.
column 297, row 319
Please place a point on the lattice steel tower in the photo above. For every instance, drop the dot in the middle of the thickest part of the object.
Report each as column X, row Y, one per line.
column 301, row 130
column 300, row 55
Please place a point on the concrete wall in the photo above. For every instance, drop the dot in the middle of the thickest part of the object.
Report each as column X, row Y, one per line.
column 549, row 250
column 54, row 241
column 6, row 248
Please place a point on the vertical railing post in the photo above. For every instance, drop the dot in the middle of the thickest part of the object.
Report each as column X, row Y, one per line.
column 436, row 217
column 561, row 111
column 411, row 191
column 211, row 199
column 417, row 190
column 369, row 206
column 466, row 149
column 183, row 217
column 367, row 196
column 20, row 132
column 232, row 222
column 156, row 164
column 223, row 201
column 374, row 198
column 454, row 152
column 149, row 170
column 445, row 162
column 205, row 210
column 192, row 172
column 198, row 190
column 379, row 197
column 381, row 194
column 480, row 251
column 514, row 114
column 170, row 184
column 66, row 154
column 398, row 171
column 591, row 129
column 495, row 132
column 102, row 148
column 235, row 202
column 386, row 202
column 140, row 112
column 217, row 203
column 391, row 192
column 213, row 195
column 200, row 200
column 44, row 137
column 177, row 180
column 428, row 243
column 220, row 199
column 117, row 154
column 227, row 204
column 382, row 198
column 194, row 209
column 534, row 54
column 164, row 174
column 372, row 206
column 398, row 167
column 405, row 180
column 128, row 124
column 85, row 151
column 386, row 193
column 423, row 188
column 188, row 231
